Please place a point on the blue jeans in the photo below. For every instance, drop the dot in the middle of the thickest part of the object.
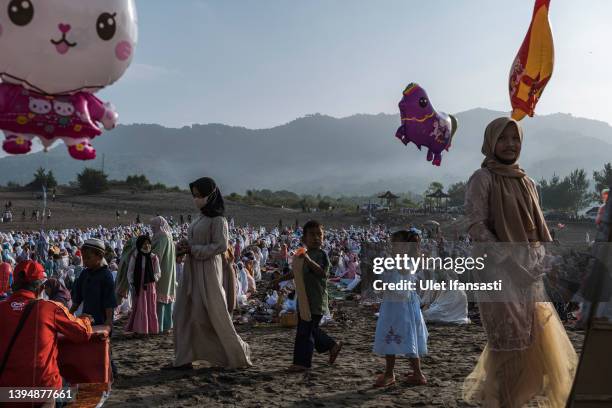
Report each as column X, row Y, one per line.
column 308, row 338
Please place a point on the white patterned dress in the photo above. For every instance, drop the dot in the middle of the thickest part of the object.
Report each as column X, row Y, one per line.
column 401, row 328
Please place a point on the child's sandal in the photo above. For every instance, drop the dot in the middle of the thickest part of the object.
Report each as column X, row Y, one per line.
column 383, row 382
column 414, row 380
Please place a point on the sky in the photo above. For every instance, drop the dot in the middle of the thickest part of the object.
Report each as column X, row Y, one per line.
column 263, row 63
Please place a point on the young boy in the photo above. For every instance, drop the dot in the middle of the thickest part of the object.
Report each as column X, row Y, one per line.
column 95, row 288
column 315, row 272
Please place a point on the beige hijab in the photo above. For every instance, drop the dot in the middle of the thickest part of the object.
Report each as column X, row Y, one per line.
column 515, row 212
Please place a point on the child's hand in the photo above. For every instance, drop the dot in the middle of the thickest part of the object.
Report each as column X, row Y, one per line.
column 301, row 253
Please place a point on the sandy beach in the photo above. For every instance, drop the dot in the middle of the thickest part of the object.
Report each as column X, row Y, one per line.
column 454, row 351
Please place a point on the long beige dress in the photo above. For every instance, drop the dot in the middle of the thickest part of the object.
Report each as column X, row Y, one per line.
column 528, row 357
column 203, row 326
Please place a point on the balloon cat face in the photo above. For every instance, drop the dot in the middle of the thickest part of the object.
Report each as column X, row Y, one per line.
column 66, row 46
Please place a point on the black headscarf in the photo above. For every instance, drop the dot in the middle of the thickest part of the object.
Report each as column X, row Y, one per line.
column 215, row 207
column 149, row 274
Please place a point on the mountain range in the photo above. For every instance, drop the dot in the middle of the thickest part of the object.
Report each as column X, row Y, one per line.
column 355, row 155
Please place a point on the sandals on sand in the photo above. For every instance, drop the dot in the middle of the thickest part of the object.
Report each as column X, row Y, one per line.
column 414, row 380
column 333, row 353
column 383, row 382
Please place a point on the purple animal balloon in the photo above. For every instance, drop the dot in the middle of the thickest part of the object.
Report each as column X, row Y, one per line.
column 423, row 126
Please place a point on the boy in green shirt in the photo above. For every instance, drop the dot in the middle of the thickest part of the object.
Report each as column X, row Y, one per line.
column 315, row 273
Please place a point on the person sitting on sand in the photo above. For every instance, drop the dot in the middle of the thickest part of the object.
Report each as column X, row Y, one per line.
column 401, row 329
column 443, row 306
column 247, row 283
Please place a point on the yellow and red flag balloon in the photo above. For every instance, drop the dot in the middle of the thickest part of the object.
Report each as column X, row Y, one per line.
column 533, row 65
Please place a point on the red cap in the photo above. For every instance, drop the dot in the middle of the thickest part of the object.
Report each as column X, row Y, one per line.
column 29, row 271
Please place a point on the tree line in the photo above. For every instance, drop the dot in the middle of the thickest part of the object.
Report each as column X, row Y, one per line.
column 570, row 193
column 90, row 181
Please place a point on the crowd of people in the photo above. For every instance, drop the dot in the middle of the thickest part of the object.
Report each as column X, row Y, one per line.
column 192, row 279
column 140, row 272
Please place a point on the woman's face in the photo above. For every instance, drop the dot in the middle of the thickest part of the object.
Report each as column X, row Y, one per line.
column 146, row 247
column 195, row 192
column 508, row 146
column 199, row 199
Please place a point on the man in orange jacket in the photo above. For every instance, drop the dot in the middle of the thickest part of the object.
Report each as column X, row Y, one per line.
column 32, row 360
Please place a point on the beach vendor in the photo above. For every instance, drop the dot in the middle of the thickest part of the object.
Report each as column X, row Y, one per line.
column 30, row 328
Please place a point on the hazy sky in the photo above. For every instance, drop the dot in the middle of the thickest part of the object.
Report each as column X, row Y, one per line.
column 261, row 63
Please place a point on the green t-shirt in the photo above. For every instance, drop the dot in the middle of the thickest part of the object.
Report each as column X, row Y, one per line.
column 316, row 285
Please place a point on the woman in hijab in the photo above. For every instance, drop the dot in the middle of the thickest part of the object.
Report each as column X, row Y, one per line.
column 57, row 292
column 203, row 328
column 528, row 353
column 143, row 273
column 122, row 285
column 163, row 247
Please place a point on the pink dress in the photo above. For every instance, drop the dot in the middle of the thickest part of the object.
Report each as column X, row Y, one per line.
column 75, row 119
column 74, row 116
column 143, row 318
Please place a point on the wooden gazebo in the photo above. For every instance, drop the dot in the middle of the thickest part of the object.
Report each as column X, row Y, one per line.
column 390, row 197
column 439, row 195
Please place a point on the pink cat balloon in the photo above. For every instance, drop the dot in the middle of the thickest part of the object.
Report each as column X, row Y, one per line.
column 55, row 55
column 423, row 126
